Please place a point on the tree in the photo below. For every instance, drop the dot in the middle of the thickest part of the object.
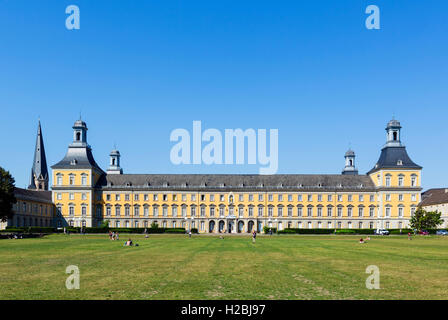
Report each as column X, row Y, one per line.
column 104, row 224
column 7, row 197
column 422, row 220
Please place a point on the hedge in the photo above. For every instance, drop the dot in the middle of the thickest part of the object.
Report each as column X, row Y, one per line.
column 267, row 229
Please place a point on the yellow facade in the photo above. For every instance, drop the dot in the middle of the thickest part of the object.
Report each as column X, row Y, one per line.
column 385, row 198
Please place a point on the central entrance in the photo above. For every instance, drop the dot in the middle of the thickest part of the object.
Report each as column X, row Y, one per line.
column 231, row 226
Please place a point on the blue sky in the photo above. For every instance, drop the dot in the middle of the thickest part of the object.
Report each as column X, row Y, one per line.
column 139, row 69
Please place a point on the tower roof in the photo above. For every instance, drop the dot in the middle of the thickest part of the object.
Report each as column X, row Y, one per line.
column 350, row 153
column 393, row 158
column 39, row 169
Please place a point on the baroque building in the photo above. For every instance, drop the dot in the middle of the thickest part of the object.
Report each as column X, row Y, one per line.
column 385, row 197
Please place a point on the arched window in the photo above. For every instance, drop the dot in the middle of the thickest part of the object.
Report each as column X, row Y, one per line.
column 78, row 136
column 395, row 134
column 351, row 163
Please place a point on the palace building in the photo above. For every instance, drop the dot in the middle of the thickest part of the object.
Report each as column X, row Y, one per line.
column 385, row 197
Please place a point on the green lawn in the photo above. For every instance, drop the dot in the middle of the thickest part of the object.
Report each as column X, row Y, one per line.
column 207, row 267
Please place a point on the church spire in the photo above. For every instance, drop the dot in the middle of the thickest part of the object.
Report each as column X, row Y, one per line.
column 39, row 171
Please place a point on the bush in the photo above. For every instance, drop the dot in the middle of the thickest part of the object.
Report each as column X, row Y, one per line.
column 266, row 230
column 345, row 231
column 12, row 230
column 194, row 230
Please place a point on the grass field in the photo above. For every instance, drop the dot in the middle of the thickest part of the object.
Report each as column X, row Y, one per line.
column 206, row 267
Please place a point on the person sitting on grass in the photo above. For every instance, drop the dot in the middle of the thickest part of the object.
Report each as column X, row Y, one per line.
column 368, row 238
column 128, row 243
column 361, row 240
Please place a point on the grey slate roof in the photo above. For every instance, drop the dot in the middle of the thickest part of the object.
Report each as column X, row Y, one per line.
column 32, row 195
column 434, row 196
column 40, row 161
column 78, row 158
column 212, row 181
column 389, row 159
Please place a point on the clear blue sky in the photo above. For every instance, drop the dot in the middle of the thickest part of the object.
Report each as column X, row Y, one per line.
column 139, row 69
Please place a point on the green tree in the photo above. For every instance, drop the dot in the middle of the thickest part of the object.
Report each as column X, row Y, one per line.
column 7, row 197
column 104, row 224
column 422, row 220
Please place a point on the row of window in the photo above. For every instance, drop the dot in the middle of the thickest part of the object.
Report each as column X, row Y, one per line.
column 71, row 179
column 222, row 211
column 24, row 207
column 401, row 178
column 221, row 225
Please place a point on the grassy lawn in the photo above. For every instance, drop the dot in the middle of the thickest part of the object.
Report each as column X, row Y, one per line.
column 206, row 267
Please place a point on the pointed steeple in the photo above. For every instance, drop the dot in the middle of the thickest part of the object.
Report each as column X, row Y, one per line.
column 39, row 171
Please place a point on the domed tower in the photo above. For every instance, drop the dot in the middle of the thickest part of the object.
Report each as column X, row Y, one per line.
column 114, row 165
column 77, row 171
column 398, row 181
column 350, row 167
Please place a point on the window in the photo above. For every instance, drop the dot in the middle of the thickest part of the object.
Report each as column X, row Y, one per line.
column 136, row 197
column 117, row 211
column 387, row 225
column 251, row 211
column 329, row 211
column 400, row 181
column 414, row 197
column 84, row 180
column 280, row 197
column 184, row 197
column 339, row 197
column 289, row 211
column 372, row 198
column 372, row 212
column 251, row 197
column 136, row 224
column 71, row 196
column 146, row 211
column 202, row 197
column 299, row 197
column 270, row 211
column 280, row 211
column 260, row 197
column 310, row 197
column 221, row 197
column 349, row 211
column 400, row 197
column 360, row 212
column 202, row 211
column 221, row 211
column 290, row 197
column 212, row 197
column 193, row 211
column 127, row 211
column 339, row 211
column 387, row 197
column 310, row 211
column 108, row 197
column 260, row 211
column 165, row 211
column 413, row 181
column 71, row 179
column 387, row 181
column 387, row 212
column 117, row 197
column 319, row 197
column 193, row 197
column 241, row 212
column 155, row 211
column 350, row 198
column 412, row 211
column 400, row 212
column 184, row 211
column 83, row 196
column 319, row 211
column 83, row 211
column 174, row 210
column 212, row 211
column 155, row 197
column 136, row 211
column 270, row 197
column 299, row 211
column 330, row 198
column 59, row 196
column 361, row 198
column 165, row 197
column 71, row 211
column 108, row 211
column 146, row 198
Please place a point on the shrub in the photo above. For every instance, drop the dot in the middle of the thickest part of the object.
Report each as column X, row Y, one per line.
column 345, row 231
column 266, row 230
column 194, row 230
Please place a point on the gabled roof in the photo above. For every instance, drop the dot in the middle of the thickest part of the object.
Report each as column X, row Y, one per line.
column 394, row 158
column 32, row 195
column 434, row 196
